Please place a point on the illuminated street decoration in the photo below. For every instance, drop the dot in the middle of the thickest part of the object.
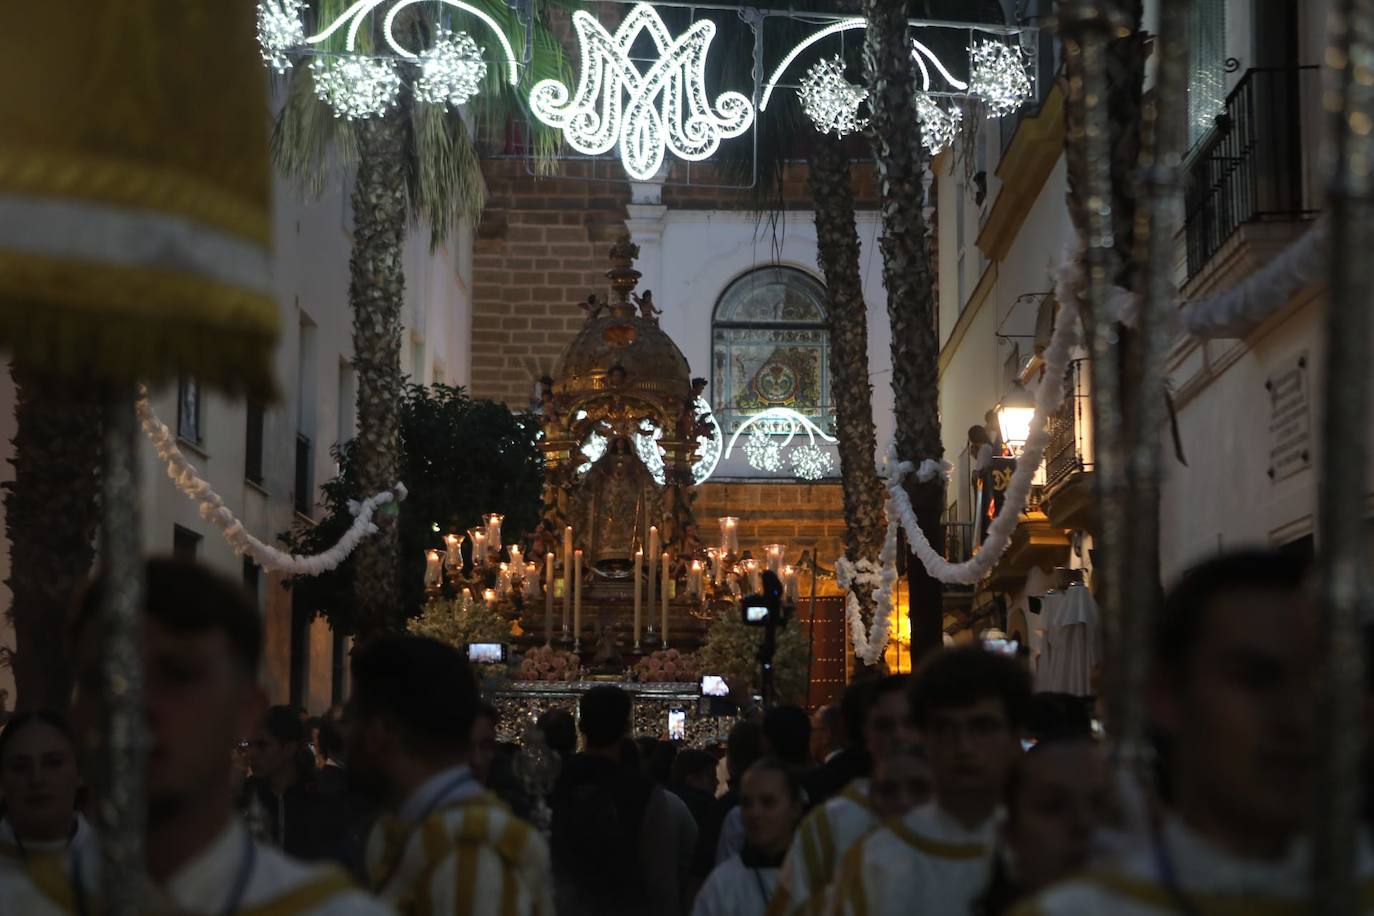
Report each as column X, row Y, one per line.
column 831, row 101
column 280, row 30
column 356, row 87
column 999, row 77
column 451, row 71
column 645, row 114
column 646, row 447
column 764, row 451
column 939, row 124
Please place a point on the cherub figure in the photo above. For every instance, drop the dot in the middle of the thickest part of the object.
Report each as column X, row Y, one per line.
column 545, row 540
column 647, row 310
column 592, row 307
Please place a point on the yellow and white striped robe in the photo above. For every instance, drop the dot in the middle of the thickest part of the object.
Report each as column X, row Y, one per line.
column 923, row 863
column 825, row 835
column 471, row 857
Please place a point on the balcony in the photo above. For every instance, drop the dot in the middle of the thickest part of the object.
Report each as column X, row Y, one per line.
column 1066, row 498
column 1251, row 167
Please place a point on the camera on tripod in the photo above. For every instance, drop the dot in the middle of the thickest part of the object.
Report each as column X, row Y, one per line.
column 766, row 607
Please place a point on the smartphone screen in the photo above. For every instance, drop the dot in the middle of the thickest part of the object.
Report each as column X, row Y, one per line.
column 677, row 725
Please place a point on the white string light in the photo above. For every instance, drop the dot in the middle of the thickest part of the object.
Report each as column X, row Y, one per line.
column 280, row 30
column 762, row 451
column 999, row 77
column 646, row 114
column 512, row 71
column 451, row 70
column 831, row 101
column 811, row 462
column 356, row 87
column 938, row 124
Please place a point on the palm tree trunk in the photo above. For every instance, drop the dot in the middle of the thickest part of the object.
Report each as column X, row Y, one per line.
column 377, row 293
column 910, row 292
column 52, row 511
column 837, row 250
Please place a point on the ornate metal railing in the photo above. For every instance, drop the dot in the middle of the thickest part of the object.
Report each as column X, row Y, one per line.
column 1070, row 447
column 1250, row 166
column 958, row 541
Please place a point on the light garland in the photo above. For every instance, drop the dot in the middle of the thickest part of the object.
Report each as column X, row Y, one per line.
column 614, row 103
column 451, row 70
column 356, row 87
column 647, row 448
column 938, row 124
column 213, row 509
column 762, row 452
column 765, row 454
column 810, row 462
column 280, row 30
column 998, row 76
column 1048, row 398
column 831, row 101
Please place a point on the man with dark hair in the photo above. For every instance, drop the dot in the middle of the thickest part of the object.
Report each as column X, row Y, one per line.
column 560, row 731
column 694, row 780
column 617, row 841
column 828, row 733
column 1232, row 690
column 836, row 824
column 970, row 705
column 743, row 746
column 451, row 847
column 202, row 639
column 279, row 805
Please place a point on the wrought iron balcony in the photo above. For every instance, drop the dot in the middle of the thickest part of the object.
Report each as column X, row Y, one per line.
column 1069, row 451
column 1251, row 166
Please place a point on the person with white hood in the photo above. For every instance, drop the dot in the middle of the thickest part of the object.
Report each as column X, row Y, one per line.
column 771, row 803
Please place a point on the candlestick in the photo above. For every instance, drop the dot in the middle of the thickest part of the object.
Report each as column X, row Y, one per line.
column 694, row 579
column 548, row 598
column 453, row 552
column 577, row 597
column 494, row 530
column 639, row 597
column 479, row 548
column 489, row 596
column 467, row 599
column 517, row 563
column 729, row 535
column 774, row 553
column 567, row 575
column 531, row 578
column 665, row 600
column 713, row 557
column 789, row 583
column 649, row 555
column 433, row 571
column 503, row 580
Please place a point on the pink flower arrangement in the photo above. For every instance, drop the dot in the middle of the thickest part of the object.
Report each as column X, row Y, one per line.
column 548, row 664
column 665, row 666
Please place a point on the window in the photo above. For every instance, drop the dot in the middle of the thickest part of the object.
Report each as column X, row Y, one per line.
column 185, row 543
column 348, row 402
column 252, row 581
column 1206, row 66
column 770, row 347
column 252, row 459
column 188, row 410
column 305, row 493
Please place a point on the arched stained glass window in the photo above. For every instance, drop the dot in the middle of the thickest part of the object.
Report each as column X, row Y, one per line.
column 770, row 347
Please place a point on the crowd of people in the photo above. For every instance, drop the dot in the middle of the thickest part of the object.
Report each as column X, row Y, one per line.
column 954, row 790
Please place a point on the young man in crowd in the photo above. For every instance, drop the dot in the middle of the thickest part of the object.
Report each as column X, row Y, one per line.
column 449, row 847
column 618, row 845
column 743, row 746
column 786, row 737
column 969, row 704
column 279, row 806
column 1236, row 657
column 201, row 650
column 831, row 829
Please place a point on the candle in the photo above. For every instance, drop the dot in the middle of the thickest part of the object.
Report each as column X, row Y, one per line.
column 694, row 579
column 729, row 535
column 503, row 580
column 517, row 563
column 713, row 557
column 789, row 583
column 453, row 551
column 531, row 577
column 467, row 599
column 653, row 568
column 479, row 549
column 665, row 600
column 548, row 598
column 751, row 575
column 494, row 530
column 567, row 575
column 639, row 597
column 774, row 553
column 577, row 599
column 433, row 571
column 489, row 596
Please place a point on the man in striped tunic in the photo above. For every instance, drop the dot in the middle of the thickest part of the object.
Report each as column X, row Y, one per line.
column 449, row 847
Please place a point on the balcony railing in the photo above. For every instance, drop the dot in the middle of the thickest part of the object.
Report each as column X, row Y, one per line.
column 1070, row 447
column 958, row 541
column 1250, row 166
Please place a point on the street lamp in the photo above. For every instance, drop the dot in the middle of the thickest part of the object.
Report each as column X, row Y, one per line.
column 1014, row 415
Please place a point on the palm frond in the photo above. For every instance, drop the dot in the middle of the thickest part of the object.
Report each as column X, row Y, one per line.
column 309, row 144
column 443, row 177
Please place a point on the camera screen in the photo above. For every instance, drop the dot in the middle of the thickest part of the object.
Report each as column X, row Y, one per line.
column 486, row 653
column 713, row 685
column 677, row 725
column 755, row 614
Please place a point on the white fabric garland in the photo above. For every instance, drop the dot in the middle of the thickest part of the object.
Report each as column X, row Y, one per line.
column 213, row 510
column 871, row 643
column 1237, row 311
column 1048, row 397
